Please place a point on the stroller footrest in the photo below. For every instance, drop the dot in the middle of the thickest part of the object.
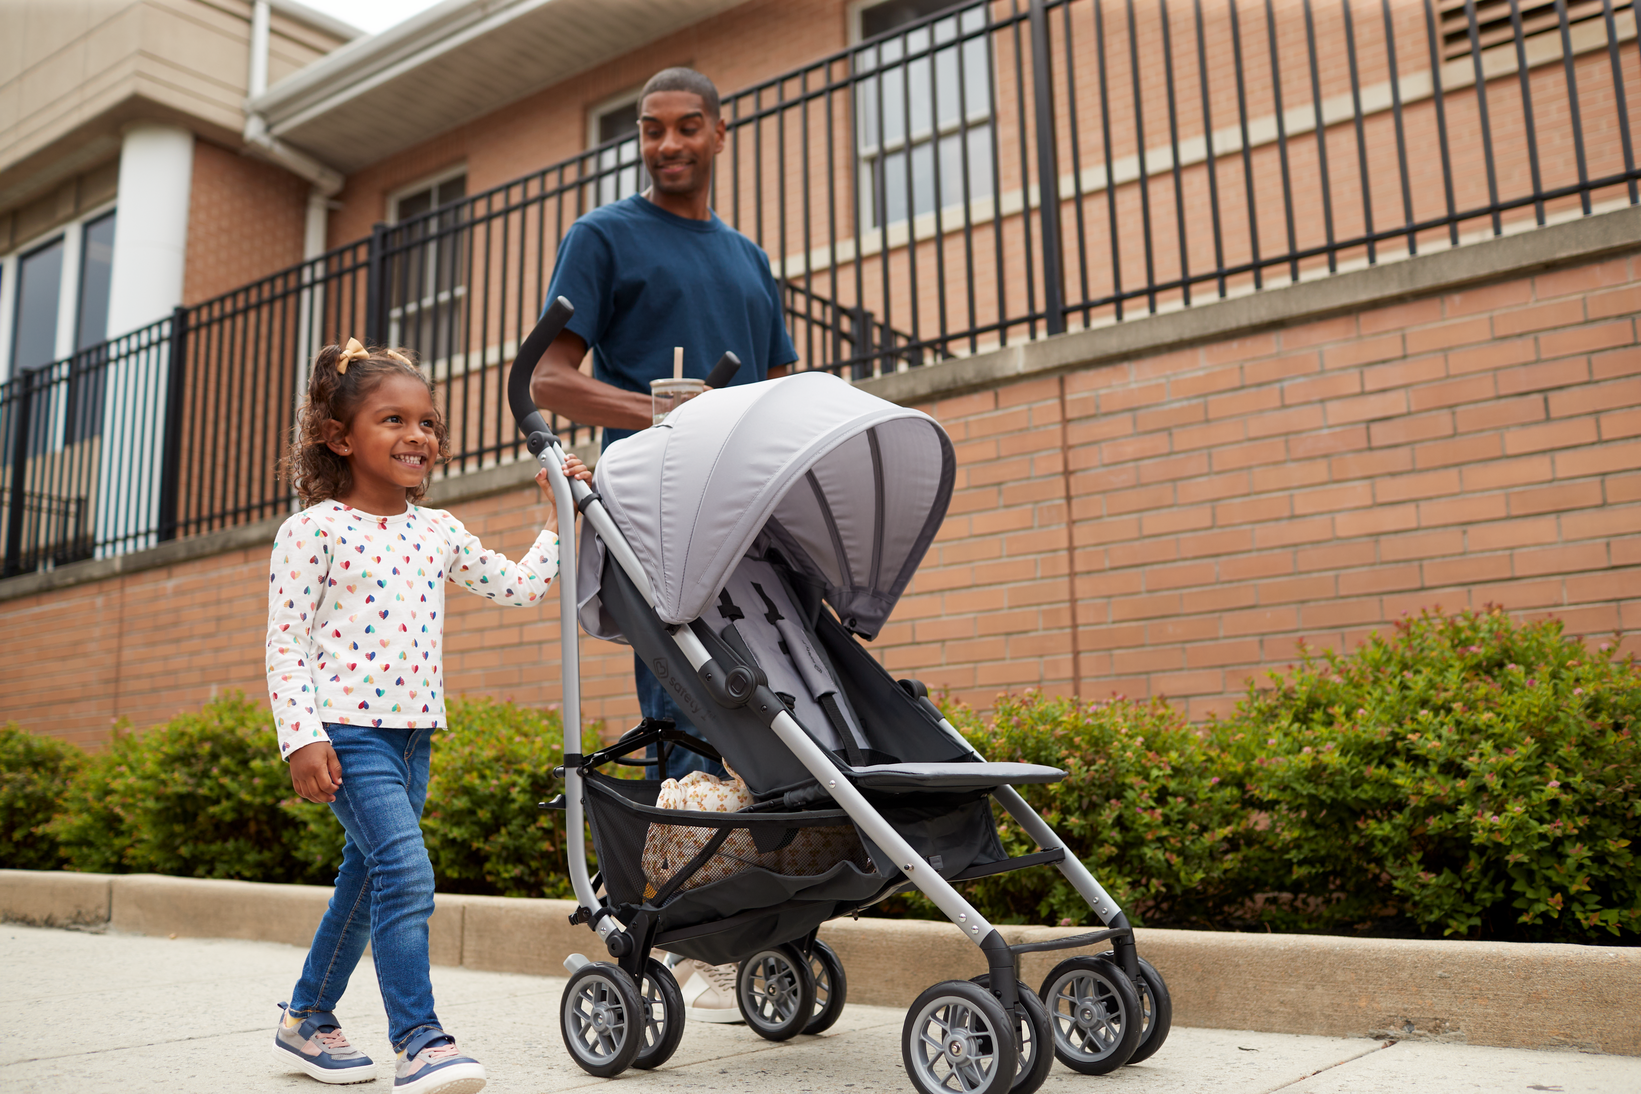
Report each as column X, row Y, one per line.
column 1071, row 942
column 1019, row 862
column 950, row 776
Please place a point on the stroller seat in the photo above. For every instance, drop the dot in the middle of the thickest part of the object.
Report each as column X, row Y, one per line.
column 759, row 617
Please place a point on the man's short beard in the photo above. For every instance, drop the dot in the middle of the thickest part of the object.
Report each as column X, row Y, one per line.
column 687, row 188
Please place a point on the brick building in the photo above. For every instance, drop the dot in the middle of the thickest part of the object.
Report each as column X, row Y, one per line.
column 1327, row 318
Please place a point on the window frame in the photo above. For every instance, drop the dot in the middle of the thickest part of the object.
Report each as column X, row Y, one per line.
column 595, row 112
column 72, row 234
column 974, row 121
column 431, row 300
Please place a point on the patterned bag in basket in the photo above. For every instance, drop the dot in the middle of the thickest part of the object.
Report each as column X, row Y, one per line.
column 669, row 847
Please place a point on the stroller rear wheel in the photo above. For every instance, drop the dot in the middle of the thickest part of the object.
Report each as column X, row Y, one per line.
column 776, row 991
column 958, row 1040
column 663, row 1007
column 831, row 987
column 602, row 1019
column 1095, row 1012
column 1033, row 1037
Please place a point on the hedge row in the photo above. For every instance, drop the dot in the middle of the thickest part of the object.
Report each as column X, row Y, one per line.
column 1464, row 776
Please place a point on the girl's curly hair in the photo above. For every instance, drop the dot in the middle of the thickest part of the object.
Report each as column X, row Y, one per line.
column 334, row 394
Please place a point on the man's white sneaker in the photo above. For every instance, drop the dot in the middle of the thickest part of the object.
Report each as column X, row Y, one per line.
column 709, row 993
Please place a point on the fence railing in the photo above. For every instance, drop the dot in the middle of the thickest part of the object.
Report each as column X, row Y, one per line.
column 999, row 171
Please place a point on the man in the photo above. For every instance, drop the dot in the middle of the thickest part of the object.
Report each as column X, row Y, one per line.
column 650, row 272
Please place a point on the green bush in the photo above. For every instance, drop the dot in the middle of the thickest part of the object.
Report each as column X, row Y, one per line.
column 35, row 774
column 483, row 829
column 205, row 795
column 1463, row 774
column 1149, row 806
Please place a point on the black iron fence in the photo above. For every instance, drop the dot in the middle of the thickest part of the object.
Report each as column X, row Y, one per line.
column 999, row 171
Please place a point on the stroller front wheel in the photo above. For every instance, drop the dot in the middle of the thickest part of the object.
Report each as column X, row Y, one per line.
column 1034, row 1039
column 663, row 1007
column 776, row 992
column 831, row 987
column 1095, row 1012
column 959, row 1040
column 602, row 1019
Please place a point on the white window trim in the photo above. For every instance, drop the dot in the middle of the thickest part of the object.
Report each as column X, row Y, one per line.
column 72, row 234
column 604, row 106
column 398, row 194
column 867, row 155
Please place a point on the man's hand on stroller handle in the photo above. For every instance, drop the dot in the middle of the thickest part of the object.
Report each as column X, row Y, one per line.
column 316, row 773
column 573, row 469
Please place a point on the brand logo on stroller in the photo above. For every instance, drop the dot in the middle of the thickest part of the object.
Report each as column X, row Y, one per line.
column 660, row 666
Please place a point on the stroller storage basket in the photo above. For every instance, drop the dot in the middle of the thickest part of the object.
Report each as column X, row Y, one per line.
column 693, row 865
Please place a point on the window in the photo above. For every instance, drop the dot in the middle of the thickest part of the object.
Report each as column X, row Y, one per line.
column 923, row 132
column 620, row 168
column 428, row 262
column 39, row 297
column 96, row 277
column 1493, row 23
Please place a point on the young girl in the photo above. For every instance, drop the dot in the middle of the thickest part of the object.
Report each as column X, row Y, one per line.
column 355, row 622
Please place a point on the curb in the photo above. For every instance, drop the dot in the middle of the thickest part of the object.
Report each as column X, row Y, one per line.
column 1504, row 994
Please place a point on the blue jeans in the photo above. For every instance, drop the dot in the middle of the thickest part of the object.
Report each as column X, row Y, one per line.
column 384, row 892
column 654, row 701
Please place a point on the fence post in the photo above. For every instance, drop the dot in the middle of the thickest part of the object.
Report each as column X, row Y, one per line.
column 375, row 276
column 1048, row 172
column 19, row 470
column 175, row 385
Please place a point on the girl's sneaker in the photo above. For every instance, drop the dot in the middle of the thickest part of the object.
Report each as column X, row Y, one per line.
column 315, row 1044
column 432, row 1064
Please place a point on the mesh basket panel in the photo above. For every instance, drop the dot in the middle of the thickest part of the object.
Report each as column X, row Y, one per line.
column 640, row 847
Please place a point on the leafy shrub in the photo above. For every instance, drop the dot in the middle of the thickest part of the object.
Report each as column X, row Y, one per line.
column 35, row 774
column 1149, row 806
column 1464, row 775
column 483, row 829
column 205, row 795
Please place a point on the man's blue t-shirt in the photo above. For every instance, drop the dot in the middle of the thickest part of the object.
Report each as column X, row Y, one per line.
column 644, row 280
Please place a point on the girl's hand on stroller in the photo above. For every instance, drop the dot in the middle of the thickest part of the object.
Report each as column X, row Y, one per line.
column 573, row 469
column 316, row 773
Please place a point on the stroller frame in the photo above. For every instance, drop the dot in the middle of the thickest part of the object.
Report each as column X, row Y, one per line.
column 630, row 944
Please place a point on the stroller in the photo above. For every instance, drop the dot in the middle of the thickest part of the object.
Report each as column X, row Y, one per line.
column 741, row 547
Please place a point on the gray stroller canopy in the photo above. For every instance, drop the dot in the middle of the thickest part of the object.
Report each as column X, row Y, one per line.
column 851, row 488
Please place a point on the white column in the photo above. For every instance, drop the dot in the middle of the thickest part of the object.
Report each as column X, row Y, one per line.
column 151, row 234
column 150, row 243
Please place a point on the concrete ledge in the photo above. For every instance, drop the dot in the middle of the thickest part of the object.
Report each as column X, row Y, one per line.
column 55, row 899
column 1484, row 993
column 1575, row 242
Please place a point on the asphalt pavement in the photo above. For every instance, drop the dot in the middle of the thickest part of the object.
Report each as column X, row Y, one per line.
column 85, row 1012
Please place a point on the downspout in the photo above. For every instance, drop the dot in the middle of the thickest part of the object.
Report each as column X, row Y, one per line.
column 326, row 181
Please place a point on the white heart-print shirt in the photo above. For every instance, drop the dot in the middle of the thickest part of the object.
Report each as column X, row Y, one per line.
column 356, row 614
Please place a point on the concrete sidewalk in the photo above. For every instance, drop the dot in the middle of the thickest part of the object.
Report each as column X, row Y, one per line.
column 85, row 1012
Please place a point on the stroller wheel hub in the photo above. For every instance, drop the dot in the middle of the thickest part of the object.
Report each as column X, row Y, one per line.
column 1087, row 1015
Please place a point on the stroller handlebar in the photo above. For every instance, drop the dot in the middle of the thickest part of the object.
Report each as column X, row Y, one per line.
column 525, row 413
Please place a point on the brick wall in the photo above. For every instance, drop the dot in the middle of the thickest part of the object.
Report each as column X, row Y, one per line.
column 245, row 220
column 1313, row 482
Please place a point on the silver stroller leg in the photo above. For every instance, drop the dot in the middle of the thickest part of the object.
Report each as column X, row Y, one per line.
column 999, row 958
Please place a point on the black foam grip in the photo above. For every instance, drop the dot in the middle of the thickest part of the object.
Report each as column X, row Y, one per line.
column 724, row 371
column 552, row 324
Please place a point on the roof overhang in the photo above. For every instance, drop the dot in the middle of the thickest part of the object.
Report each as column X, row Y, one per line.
column 452, row 63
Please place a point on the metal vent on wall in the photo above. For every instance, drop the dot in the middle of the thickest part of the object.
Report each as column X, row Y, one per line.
column 1493, row 21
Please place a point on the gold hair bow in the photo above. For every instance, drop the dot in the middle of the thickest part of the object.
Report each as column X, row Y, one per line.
column 399, row 357
column 351, row 352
